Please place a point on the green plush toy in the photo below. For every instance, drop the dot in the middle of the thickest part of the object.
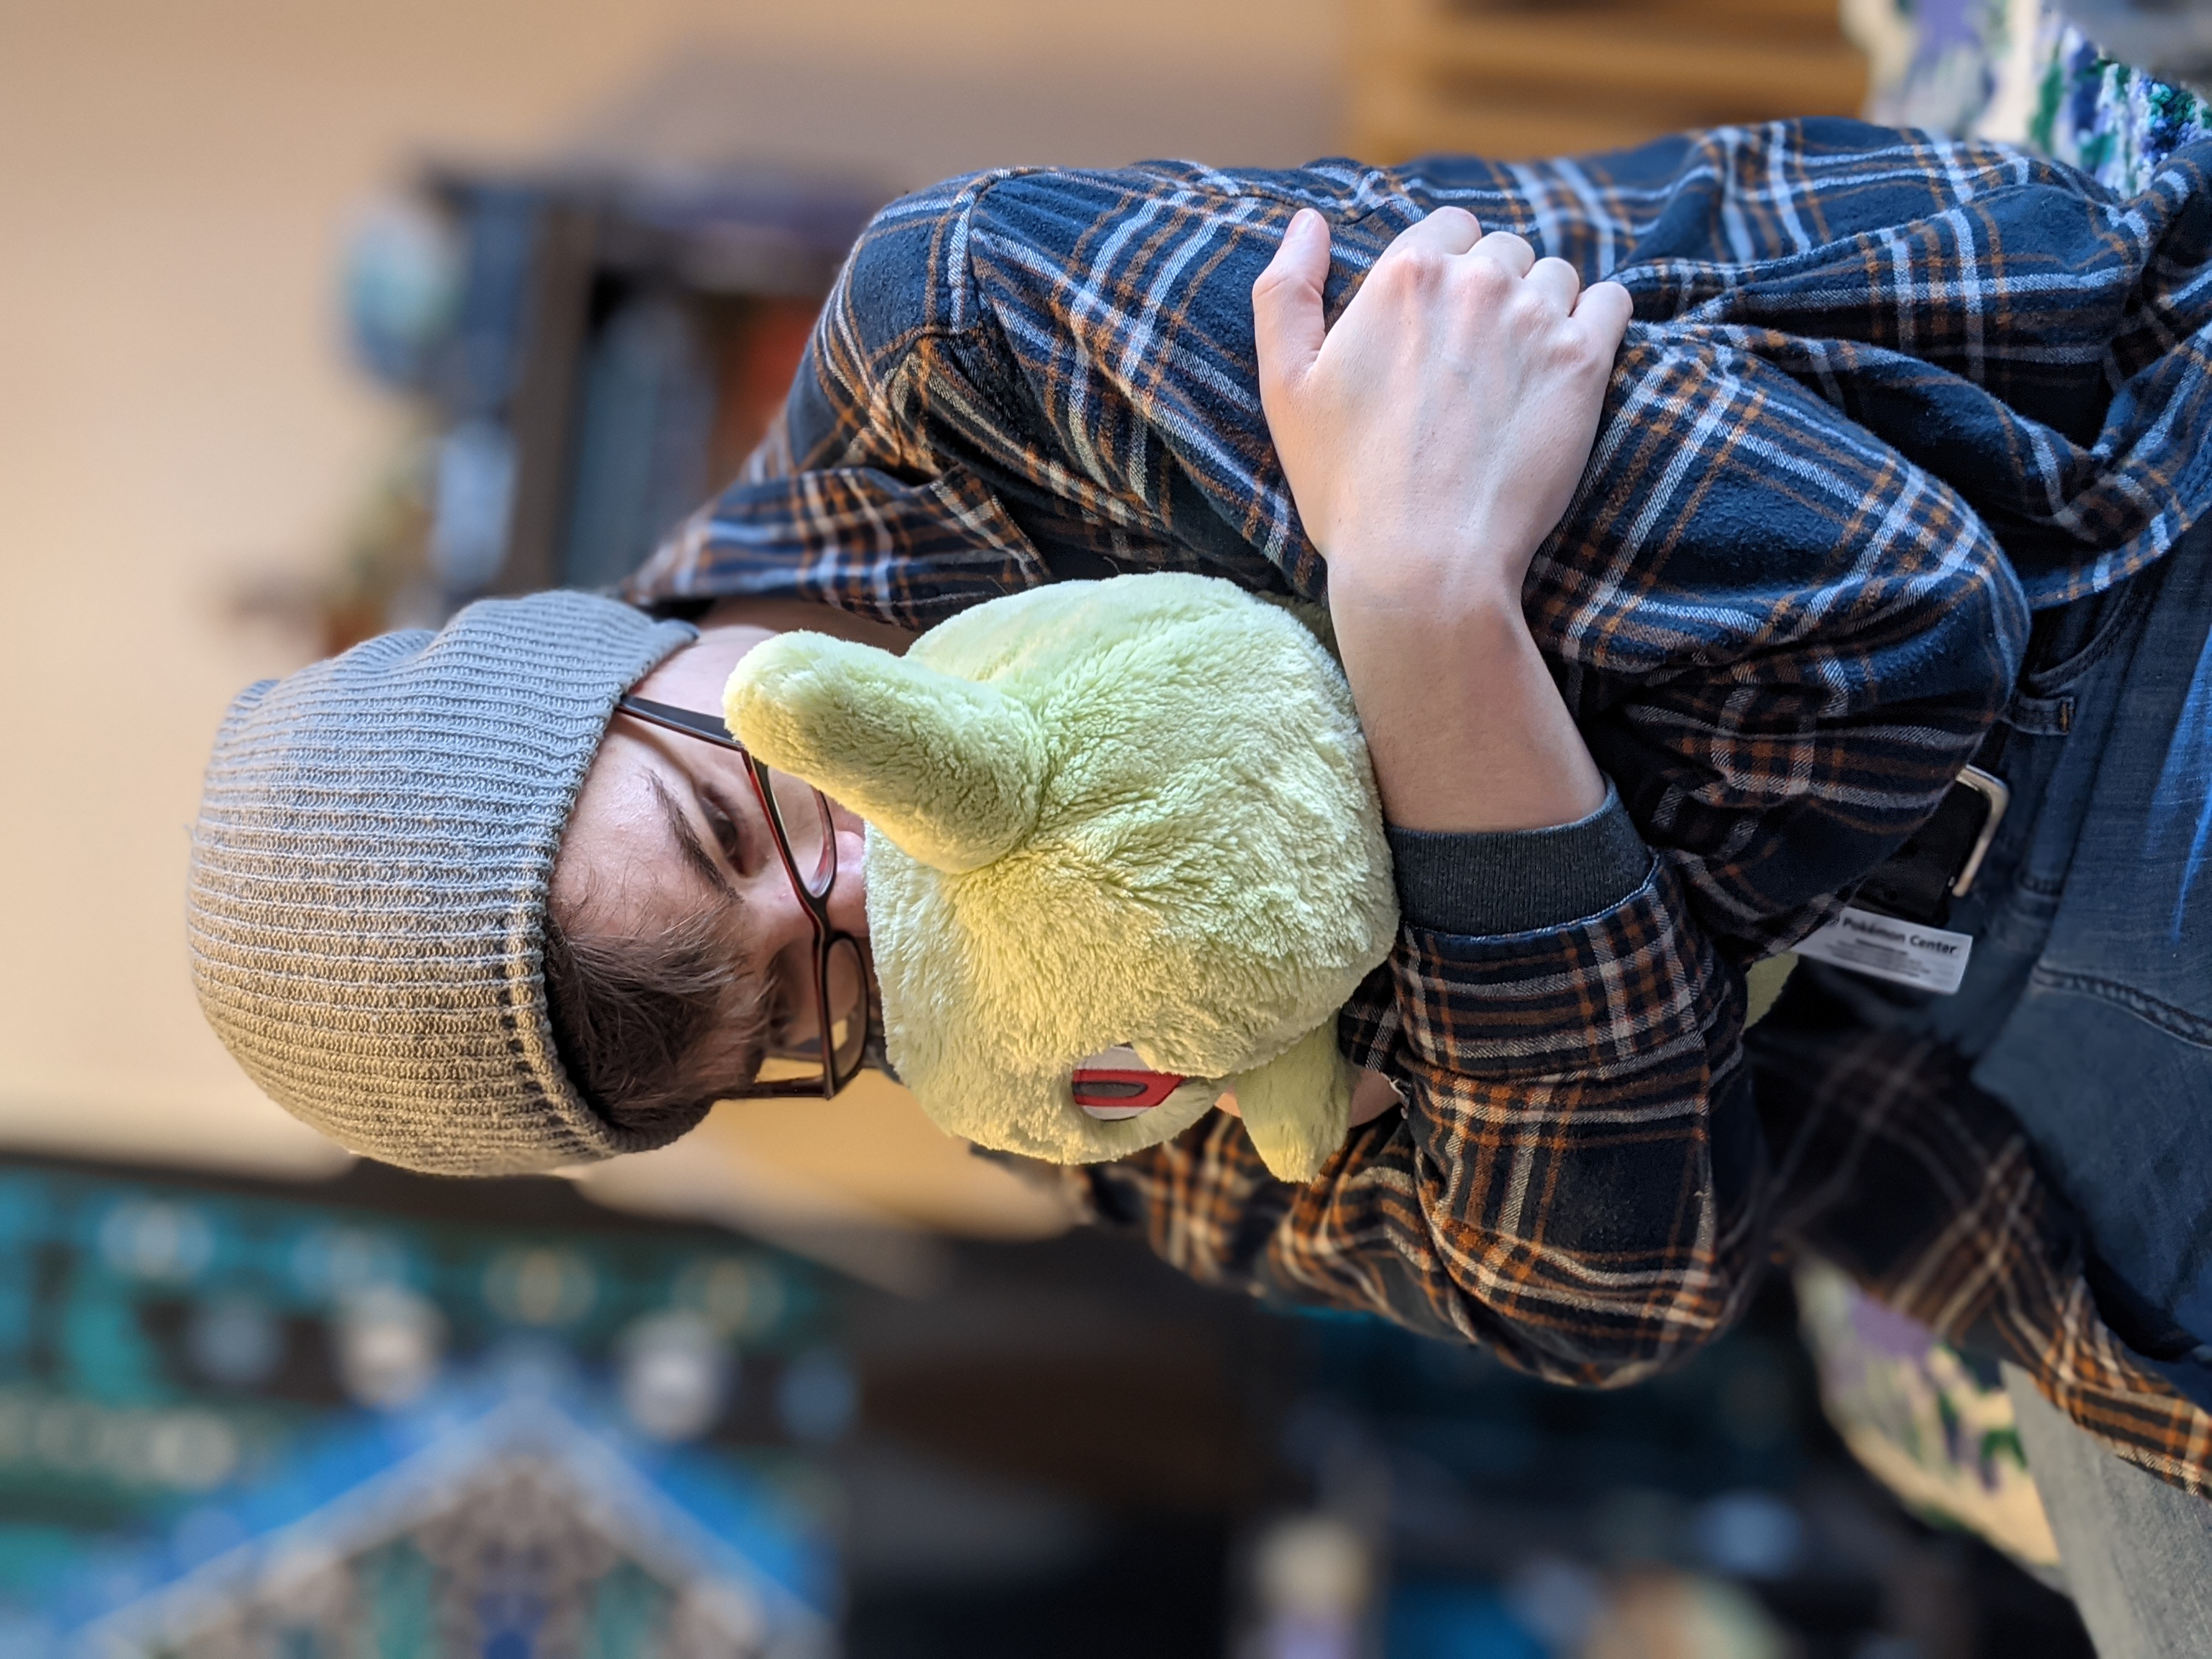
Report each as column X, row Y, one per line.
column 1124, row 856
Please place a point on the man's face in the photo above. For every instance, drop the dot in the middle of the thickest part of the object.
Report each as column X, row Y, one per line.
column 666, row 827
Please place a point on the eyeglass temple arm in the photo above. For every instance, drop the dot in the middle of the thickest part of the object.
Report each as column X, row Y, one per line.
column 697, row 722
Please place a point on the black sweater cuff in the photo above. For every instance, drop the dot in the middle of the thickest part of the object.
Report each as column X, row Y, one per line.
column 1517, row 881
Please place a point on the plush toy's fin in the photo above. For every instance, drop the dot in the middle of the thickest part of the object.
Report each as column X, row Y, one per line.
column 950, row 769
column 1298, row 1107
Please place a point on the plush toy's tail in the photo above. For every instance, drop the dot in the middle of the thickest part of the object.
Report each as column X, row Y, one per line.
column 1298, row 1107
column 950, row 769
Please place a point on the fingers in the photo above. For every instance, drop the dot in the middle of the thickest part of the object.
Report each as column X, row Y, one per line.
column 1448, row 230
column 1286, row 305
column 1605, row 310
column 1556, row 281
column 1511, row 251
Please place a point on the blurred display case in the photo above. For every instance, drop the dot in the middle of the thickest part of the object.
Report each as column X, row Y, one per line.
column 402, row 1417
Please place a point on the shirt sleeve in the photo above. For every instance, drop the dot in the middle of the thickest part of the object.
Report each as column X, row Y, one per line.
column 1512, row 882
column 1576, row 1179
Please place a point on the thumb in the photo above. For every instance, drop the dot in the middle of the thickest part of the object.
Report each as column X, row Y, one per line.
column 1286, row 313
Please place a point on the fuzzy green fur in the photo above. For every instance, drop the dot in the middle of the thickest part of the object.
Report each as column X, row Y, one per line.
column 1131, row 811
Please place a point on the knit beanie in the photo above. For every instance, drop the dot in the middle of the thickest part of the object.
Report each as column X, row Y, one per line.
column 370, row 874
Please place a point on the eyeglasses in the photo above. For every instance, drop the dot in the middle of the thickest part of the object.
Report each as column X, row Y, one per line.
column 801, row 1062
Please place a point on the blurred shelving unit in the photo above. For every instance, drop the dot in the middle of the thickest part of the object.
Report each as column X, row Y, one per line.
column 660, row 330
column 1519, row 78
column 592, row 354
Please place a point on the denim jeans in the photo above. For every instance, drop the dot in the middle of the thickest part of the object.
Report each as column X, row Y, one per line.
column 2087, row 1005
column 2136, row 1552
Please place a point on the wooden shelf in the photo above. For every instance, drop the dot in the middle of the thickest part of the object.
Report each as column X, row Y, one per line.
column 1513, row 81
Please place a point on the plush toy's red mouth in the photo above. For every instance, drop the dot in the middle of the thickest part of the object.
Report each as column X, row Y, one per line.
column 1115, row 1085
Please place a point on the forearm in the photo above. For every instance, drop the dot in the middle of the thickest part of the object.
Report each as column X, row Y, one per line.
column 1466, row 729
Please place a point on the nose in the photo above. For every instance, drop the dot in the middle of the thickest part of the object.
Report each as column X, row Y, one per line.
column 849, row 899
column 780, row 919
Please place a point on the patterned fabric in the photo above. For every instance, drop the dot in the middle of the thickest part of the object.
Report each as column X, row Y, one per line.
column 1892, row 1165
column 1777, row 608
column 1966, row 67
column 2114, row 122
column 1933, row 1424
column 2022, row 72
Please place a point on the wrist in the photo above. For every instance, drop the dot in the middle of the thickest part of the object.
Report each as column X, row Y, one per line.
column 1431, row 558
column 1456, row 626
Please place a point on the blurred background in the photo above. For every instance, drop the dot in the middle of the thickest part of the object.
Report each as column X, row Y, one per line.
column 316, row 321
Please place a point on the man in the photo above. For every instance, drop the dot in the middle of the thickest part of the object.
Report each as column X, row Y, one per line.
column 1897, row 418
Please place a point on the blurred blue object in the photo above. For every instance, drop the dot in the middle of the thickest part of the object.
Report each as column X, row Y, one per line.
column 506, row 1504
column 1750, row 1534
column 402, row 282
column 1456, row 1621
column 474, row 497
column 819, row 1399
column 475, row 368
column 234, row 1342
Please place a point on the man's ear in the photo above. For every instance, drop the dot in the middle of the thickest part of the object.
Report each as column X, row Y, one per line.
column 949, row 770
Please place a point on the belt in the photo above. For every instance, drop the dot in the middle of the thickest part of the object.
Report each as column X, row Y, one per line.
column 1939, row 862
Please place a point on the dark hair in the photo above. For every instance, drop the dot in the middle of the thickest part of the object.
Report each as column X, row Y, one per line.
column 654, row 1028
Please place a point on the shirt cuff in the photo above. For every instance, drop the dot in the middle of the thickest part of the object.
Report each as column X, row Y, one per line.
column 1517, row 881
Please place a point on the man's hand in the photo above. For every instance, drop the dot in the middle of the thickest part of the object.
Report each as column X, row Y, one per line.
column 1432, row 440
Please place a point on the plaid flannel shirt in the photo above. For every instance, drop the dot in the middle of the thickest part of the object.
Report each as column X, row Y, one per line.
column 1883, row 395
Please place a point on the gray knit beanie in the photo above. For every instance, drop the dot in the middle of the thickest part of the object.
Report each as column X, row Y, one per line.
column 370, row 874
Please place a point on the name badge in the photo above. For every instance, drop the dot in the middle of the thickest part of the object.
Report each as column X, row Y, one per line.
column 1882, row 947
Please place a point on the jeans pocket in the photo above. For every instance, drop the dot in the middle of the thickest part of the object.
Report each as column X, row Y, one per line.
column 2066, row 646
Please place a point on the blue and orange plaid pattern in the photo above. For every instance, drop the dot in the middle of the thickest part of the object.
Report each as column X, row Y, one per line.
column 1885, row 395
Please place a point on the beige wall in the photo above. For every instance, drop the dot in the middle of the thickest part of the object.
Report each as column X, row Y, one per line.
column 175, row 412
